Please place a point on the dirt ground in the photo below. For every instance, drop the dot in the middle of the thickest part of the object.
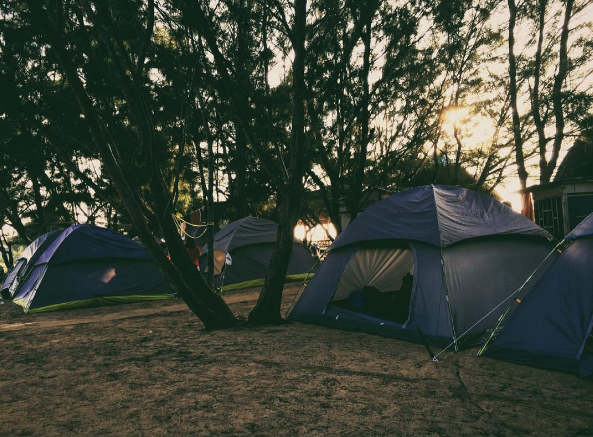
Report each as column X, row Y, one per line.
column 151, row 370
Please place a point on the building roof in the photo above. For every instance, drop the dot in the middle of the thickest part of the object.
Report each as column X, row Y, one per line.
column 558, row 183
column 577, row 164
column 576, row 167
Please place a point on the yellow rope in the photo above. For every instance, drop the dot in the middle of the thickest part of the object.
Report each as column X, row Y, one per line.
column 180, row 228
column 190, row 223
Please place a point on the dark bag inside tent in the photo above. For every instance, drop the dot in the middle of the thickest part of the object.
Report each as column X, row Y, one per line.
column 378, row 282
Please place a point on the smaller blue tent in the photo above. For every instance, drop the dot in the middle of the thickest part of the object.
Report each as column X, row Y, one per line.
column 82, row 266
column 549, row 323
column 243, row 249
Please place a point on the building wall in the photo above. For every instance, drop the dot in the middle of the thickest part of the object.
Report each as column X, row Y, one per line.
column 560, row 207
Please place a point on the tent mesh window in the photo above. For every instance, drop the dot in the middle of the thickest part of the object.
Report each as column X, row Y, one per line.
column 548, row 214
column 378, row 282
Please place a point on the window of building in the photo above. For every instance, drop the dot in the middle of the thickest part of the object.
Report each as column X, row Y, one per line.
column 579, row 207
column 548, row 214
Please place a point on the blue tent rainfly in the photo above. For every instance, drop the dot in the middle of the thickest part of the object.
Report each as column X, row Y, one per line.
column 82, row 266
column 243, row 249
column 432, row 261
column 550, row 321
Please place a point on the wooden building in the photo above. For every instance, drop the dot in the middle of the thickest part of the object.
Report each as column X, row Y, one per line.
column 562, row 204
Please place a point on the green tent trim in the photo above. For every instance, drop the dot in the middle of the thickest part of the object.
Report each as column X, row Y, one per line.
column 94, row 302
column 258, row 282
column 116, row 300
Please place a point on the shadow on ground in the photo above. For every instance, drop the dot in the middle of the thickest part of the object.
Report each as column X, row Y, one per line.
column 150, row 370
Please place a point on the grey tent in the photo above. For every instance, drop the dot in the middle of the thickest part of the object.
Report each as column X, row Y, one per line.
column 463, row 250
column 242, row 252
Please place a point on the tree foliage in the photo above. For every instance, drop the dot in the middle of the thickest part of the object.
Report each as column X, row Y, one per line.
column 128, row 112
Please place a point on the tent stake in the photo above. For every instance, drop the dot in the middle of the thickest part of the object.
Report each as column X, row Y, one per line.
column 425, row 341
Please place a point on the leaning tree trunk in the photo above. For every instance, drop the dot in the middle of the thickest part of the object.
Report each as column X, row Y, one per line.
column 205, row 304
column 6, row 251
column 9, row 210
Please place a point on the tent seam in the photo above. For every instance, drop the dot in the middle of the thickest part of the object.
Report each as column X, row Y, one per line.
column 444, row 276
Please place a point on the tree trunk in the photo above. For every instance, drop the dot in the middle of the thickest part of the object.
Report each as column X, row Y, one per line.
column 513, row 95
column 557, row 96
column 208, row 190
column 240, row 160
column 332, row 211
column 210, row 215
column 458, row 151
column 537, row 119
column 10, row 212
column 40, row 213
column 357, row 186
column 267, row 309
column 213, row 310
column 6, row 250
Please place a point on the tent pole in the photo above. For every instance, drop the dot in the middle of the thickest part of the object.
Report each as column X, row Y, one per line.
column 444, row 276
column 426, row 344
column 291, row 306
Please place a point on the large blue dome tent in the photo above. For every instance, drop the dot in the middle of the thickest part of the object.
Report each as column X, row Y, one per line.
column 463, row 249
column 243, row 249
column 550, row 320
column 82, row 266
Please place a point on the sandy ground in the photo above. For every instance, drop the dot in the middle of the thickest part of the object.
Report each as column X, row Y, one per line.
column 151, row 370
